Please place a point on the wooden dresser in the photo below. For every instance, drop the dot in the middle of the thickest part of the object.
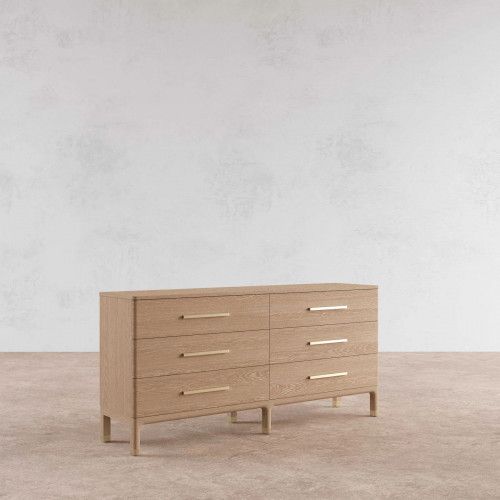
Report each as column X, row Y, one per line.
column 172, row 354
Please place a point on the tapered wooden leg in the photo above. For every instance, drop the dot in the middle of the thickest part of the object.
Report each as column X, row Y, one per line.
column 335, row 402
column 135, row 437
column 266, row 420
column 233, row 417
column 373, row 404
column 105, row 429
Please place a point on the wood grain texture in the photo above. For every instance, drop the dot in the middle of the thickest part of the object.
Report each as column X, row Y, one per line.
column 252, row 405
column 163, row 318
column 288, row 310
column 165, row 417
column 160, row 395
column 163, row 356
column 149, row 373
column 291, row 379
column 291, row 344
column 322, row 395
column 237, row 290
column 116, row 357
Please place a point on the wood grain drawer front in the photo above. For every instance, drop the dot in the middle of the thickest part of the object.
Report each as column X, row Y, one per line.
column 195, row 391
column 198, row 353
column 318, row 342
column 314, row 377
column 176, row 317
column 323, row 308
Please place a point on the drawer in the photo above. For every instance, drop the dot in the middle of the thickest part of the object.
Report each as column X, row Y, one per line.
column 176, row 317
column 198, row 353
column 316, row 342
column 195, row 391
column 324, row 375
column 322, row 308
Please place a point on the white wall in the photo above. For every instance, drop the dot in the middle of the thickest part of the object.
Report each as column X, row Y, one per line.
column 165, row 144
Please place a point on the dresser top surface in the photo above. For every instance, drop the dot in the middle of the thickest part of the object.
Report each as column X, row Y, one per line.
column 237, row 290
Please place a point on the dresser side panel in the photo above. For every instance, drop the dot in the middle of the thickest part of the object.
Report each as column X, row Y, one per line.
column 117, row 357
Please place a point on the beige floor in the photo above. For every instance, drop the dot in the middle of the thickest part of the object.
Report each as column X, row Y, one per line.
column 437, row 436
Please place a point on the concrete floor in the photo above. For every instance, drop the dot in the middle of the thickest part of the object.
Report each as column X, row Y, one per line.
column 437, row 436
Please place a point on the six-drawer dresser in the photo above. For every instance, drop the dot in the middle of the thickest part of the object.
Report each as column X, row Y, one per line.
column 172, row 354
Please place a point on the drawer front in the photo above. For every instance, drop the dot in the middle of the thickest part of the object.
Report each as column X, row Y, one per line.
column 176, row 317
column 198, row 353
column 323, row 308
column 195, row 391
column 324, row 375
column 317, row 342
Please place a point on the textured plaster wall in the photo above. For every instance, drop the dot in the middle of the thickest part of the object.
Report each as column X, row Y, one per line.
column 160, row 144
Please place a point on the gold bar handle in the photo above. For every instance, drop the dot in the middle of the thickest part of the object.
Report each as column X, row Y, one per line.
column 327, row 375
column 204, row 353
column 202, row 391
column 326, row 308
column 200, row 316
column 323, row 342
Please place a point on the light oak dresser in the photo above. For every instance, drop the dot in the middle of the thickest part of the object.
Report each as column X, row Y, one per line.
column 172, row 354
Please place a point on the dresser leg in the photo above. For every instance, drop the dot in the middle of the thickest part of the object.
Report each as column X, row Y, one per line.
column 266, row 420
column 335, row 402
column 373, row 404
column 105, row 429
column 135, row 437
column 233, row 417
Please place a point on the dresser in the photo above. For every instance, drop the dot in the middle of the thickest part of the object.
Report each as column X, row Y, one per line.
column 173, row 354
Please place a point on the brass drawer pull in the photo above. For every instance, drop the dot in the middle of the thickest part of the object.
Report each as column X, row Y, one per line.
column 323, row 342
column 202, row 391
column 200, row 316
column 326, row 308
column 204, row 353
column 327, row 375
